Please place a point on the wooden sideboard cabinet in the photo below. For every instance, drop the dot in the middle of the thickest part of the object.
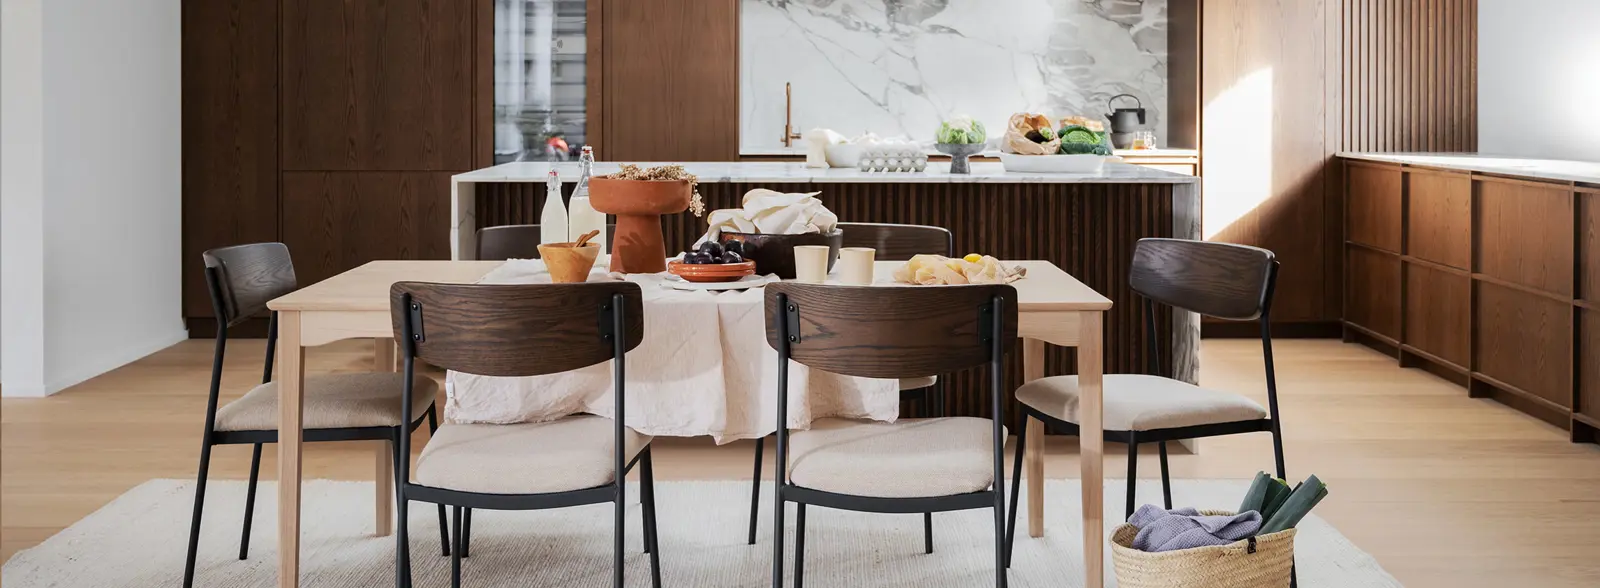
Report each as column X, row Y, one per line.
column 1489, row 281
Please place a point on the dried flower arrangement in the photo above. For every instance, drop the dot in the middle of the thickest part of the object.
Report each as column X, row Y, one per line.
column 664, row 172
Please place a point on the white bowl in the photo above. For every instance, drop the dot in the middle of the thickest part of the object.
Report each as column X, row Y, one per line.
column 1064, row 164
column 844, row 154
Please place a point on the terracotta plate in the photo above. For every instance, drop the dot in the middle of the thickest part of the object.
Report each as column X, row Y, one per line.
column 711, row 272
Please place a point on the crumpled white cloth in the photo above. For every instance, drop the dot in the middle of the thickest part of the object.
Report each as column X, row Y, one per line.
column 704, row 369
column 773, row 212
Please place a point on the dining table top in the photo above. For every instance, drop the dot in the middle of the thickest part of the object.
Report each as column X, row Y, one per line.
column 366, row 288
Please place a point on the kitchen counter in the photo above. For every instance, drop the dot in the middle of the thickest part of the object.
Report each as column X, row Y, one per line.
column 938, row 172
column 1587, row 172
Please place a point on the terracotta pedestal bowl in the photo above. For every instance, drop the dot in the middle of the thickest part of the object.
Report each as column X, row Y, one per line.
column 637, row 246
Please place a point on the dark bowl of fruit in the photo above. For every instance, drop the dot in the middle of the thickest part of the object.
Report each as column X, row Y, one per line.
column 774, row 254
column 711, row 262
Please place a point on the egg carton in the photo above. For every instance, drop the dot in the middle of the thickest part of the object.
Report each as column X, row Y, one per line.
column 909, row 158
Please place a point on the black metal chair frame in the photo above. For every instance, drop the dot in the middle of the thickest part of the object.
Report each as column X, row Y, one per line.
column 787, row 324
column 1161, row 436
column 616, row 492
column 931, row 397
column 213, row 437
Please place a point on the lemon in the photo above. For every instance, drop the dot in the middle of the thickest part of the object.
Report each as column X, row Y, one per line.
column 973, row 258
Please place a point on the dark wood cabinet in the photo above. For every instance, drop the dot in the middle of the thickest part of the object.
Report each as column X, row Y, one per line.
column 1488, row 283
column 330, row 126
column 230, row 132
column 344, row 219
column 377, row 85
column 670, row 73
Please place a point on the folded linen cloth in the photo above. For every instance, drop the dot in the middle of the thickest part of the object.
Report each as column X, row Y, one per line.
column 1185, row 528
column 773, row 213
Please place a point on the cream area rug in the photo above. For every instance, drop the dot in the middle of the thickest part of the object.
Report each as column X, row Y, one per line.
column 139, row 539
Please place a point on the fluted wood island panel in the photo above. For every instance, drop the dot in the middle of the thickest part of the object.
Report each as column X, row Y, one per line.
column 1086, row 227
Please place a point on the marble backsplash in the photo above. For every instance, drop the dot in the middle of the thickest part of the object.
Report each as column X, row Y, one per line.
column 898, row 67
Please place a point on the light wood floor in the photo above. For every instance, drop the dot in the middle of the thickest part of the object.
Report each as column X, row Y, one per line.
column 1444, row 490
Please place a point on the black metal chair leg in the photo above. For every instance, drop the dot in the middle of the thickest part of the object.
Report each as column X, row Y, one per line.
column 777, row 532
column 1016, row 494
column 250, row 502
column 1000, row 556
column 466, row 533
column 800, row 546
column 927, row 532
column 1133, row 471
column 1166, row 479
column 199, row 506
column 1277, row 451
column 647, row 478
column 618, row 529
column 402, row 538
column 455, row 557
column 755, row 489
column 444, row 525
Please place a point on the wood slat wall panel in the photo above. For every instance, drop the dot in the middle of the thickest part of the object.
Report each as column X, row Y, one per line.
column 1087, row 229
column 1410, row 80
column 378, row 85
column 230, row 133
column 1524, row 234
column 1524, row 340
column 1439, row 217
column 1438, row 313
column 345, row 219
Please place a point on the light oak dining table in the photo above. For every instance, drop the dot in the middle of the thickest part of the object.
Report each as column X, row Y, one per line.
column 1053, row 308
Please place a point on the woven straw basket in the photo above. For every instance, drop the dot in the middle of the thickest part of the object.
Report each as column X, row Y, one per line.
column 1224, row 566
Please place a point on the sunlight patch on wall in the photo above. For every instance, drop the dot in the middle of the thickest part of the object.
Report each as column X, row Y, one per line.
column 1238, row 146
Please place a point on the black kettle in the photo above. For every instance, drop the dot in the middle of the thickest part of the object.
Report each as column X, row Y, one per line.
column 1124, row 121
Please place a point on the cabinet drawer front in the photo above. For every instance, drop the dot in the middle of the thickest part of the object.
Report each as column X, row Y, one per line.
column 1439, row 218
column 1373, row 205
column 1525, row 340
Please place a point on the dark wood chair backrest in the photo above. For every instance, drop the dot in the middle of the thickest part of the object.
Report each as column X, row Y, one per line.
column 246, row 277
column 516, row 242
column 891, row 332
column 515, row 329
column 898, row 242
column 1221, row 280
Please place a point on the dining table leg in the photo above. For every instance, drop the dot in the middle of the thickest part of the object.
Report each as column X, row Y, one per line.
column 291, row 389
column 383, row 464
column 1033, row 450
column 1091, row 442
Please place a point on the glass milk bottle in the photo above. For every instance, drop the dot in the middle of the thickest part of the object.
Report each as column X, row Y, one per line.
column 583, row 217
column 553, row 219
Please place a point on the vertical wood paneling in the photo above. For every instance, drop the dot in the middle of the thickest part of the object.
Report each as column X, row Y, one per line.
column 671, row 80
column 230, row 133
column 378, row 85
column 1089, row 230
column 1410, row 79
column 345, row 219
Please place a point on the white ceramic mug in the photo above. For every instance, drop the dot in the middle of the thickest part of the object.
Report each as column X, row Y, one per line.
column 811, row 263
column 855, row 265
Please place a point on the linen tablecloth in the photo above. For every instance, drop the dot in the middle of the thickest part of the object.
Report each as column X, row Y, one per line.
column 704, row 368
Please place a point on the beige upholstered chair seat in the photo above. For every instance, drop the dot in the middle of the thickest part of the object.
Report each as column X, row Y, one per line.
column 572, row 453
column 911, row 458
column 332, row 401
column 918, row 383
column 1136, row 402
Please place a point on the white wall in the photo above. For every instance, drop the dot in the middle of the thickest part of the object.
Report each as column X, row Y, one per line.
column 92, row 238
column 1538, row 86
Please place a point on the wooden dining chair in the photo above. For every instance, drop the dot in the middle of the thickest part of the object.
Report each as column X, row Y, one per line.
column 337, row 407
column 518, row 331
column 517, row 242
column 892, row 243
column 910, row 465
column 1222, row 280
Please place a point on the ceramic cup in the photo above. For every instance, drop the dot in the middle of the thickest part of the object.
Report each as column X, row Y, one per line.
column 855, row 265
column 811, row 263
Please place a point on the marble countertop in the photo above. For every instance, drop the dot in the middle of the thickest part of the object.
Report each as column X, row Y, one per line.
column 1546, row 169
column 800, row 151
column 796, row 172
